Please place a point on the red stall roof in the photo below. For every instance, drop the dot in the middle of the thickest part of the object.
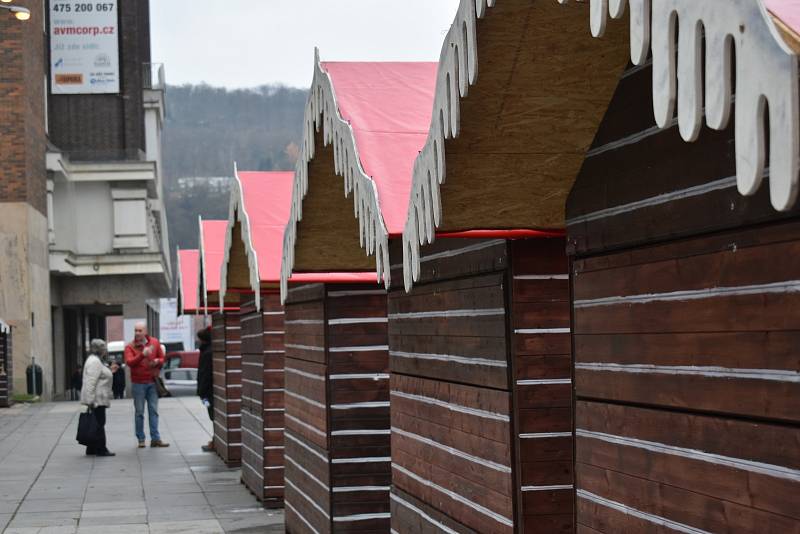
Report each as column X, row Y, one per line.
column 389, row 108
column 376, row 114
column 788, row 11
column 212, row 252
column 261, row 201
column 188, row 267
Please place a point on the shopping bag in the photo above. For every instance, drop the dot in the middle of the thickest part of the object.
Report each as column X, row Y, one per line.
column 88, row 428
column 161, row 389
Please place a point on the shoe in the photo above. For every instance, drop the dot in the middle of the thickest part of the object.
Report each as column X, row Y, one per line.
column 105, row 453
column 209, row 448
column 90, row 452
column 141, row 444
column 158, row 443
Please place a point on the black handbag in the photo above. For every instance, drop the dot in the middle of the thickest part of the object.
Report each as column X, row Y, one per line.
column 161, row 389
column 88, row 429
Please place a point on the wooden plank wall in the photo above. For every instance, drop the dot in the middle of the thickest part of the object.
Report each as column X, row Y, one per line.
column 686, row 343
column 337, row 410
column 542, row 374
column 226, row 346
column 6, row 370
column 262, row 398
column 481, row 389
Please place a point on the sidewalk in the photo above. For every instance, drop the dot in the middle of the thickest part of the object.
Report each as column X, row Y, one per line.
column 48, row 485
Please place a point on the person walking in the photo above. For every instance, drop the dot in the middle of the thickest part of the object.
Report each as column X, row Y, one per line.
column 119, row 381
column 145, row 356
column 205, row 378
column 96, row 393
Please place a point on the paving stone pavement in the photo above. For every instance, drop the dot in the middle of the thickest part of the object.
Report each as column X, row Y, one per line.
column 48, row 485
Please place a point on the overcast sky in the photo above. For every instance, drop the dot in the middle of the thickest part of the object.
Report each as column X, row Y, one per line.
column 246, row 43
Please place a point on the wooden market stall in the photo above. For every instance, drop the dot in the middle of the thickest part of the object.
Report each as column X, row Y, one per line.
column 685, row 336
column 6, row 368
column 226, row 344
column 365, row 122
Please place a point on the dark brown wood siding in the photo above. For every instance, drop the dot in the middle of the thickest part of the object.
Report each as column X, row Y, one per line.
column 227, row 356
column 6, row 370
column 685, row 340
column 337, row 409
column 262, row 398
column 481, row 389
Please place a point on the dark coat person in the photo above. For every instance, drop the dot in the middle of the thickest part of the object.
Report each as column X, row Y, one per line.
column 205, row 377
column 119, row 382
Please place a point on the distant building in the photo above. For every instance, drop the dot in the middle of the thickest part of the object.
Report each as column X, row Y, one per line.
column 107, row 228
column 83, row 232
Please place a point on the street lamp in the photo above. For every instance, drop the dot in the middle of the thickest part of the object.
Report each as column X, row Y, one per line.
column 22, row 13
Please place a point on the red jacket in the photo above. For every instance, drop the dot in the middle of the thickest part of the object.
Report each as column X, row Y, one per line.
column 141, row 373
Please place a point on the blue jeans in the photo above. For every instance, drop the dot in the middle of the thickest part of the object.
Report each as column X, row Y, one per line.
column 142, row 392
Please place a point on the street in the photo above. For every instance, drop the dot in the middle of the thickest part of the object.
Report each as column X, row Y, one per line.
column 48, row 485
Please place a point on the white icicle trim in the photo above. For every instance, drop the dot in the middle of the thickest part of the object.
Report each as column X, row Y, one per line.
column 766, row 76
column 322, row 109
column 237, row 212
column 458, row 69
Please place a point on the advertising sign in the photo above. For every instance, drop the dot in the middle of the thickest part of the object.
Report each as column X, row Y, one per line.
column 174, row 329
column 84, row 47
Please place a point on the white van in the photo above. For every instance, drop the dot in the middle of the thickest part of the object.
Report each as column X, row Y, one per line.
column 116, row 349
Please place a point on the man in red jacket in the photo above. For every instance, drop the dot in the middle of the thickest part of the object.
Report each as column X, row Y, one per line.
column 145, row 357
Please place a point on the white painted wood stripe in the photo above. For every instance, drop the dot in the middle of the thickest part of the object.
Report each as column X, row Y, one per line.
column 542, row 331
column 776, row 375
column 448, row 314
column 789, row 286
column 273, row 429
column 273, row 447
column 545, row 435
column 358, row 320
column 233, row 371
column 305, row 374
column 350, row 489
column 254, row 453
column 542, row 277
column 452, row 407
column 305, row 425
column 360, row 517
column 751, row 466
column 251, row 336
column 254, row 364
column 274, row 332
column 360, row 348
column 306, row 472
column 503, row 520
column 255, row 382
column 273, row 466
column 544, row 382
column 627, row 510
column 233, row 357
column 554, row 487
column 273, row 390
column 305, row 321
column 304, row 347
column 288, row 435
column 665, row 198
column 466, row 360
column 227, row 415
column 252, row 400
column 251, row 468
column 298, row 514
column 273, row 487
column 274, row 409
column 363, row 460
column 457, row 251
column 233, row 342
column 232, row 327
column 249, row 318
column 364, row 432
column 355, row 293
column 453, row 451
column 357, row 405
column 274, row 351
column 402, row 502
column 630, row 139
column 305, row 399
column 273, row 370
column 361, row 376
column 306, row 497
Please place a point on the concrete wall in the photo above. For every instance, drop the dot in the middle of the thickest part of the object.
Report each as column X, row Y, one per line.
column 25, row 289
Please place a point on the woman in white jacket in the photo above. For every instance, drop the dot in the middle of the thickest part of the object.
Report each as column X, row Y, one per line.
column 96, row 392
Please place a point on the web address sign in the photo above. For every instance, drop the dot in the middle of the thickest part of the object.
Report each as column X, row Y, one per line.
column 84, row 47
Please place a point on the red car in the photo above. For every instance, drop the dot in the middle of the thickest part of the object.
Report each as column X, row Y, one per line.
column 184, row 359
